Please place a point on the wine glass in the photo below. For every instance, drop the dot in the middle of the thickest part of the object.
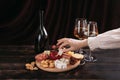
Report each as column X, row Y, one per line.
column 92, row 28
column 80, row 30
column 92, row 31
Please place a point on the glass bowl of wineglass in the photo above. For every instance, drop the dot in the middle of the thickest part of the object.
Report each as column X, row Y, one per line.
column 80, row 28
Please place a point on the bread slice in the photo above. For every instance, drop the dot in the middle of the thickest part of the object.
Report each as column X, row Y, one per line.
column 78, row 56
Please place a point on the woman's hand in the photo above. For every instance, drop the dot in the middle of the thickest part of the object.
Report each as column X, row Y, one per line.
column 72, row 44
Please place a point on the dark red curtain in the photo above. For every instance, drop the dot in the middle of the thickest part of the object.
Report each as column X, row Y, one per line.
column 61, row 14
column 19, row 19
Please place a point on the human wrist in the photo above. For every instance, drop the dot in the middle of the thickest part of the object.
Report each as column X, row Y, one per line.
column 84, row 43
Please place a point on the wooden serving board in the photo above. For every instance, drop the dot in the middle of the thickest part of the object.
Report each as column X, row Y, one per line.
column 69, row 67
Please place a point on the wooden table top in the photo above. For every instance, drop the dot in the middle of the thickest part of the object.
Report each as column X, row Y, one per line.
column 14, row 58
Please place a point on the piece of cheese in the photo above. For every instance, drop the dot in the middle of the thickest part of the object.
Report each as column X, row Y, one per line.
column 60, row 64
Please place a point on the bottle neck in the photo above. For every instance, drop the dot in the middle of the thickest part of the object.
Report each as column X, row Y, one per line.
column 41, row 12
column 42, row 28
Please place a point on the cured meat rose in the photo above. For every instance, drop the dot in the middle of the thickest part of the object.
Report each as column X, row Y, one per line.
column 53, row 55
column 41, row 57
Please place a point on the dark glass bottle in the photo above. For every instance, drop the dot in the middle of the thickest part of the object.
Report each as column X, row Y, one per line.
column 41, row 39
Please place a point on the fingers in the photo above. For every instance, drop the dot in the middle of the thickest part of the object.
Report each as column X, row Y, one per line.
column 60, row 41
column 67, row 49
column 63, row 45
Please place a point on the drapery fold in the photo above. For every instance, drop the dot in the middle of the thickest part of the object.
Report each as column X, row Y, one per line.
column 23, row 25
column 61, row 15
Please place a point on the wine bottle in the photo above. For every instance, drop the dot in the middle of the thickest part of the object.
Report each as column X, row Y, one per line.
column 41, row 40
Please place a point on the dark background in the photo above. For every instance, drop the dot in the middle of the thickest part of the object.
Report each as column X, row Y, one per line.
column 19, row 19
